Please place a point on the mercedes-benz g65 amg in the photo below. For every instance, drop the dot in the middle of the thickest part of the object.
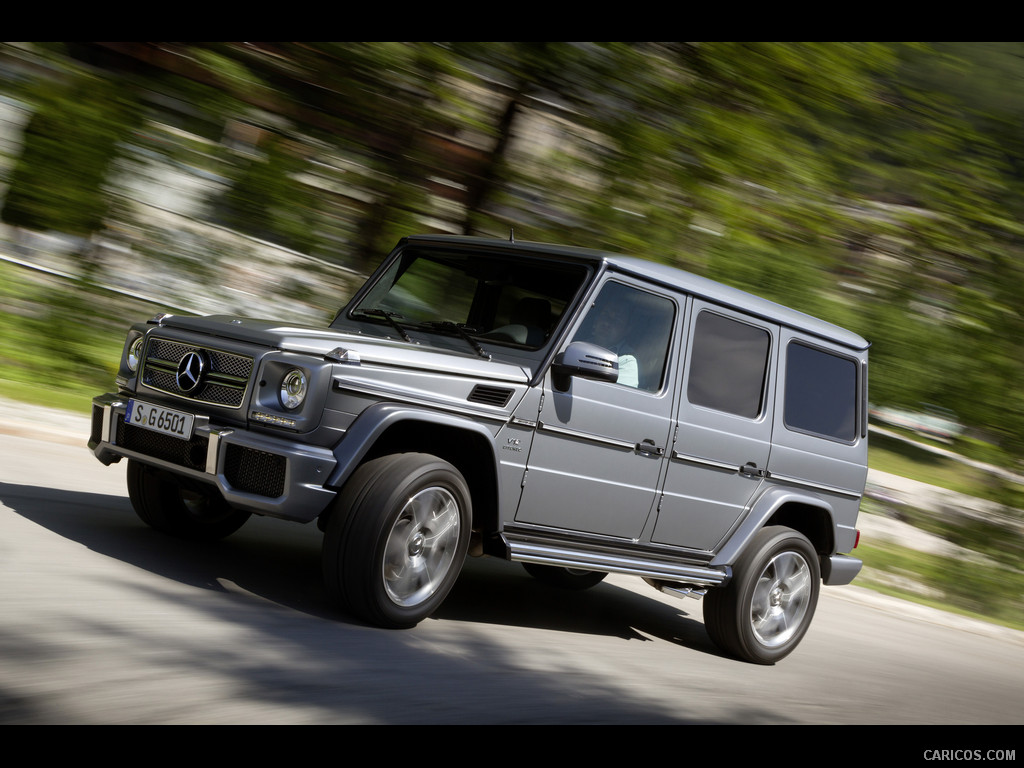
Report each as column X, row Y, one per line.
column 581, row 412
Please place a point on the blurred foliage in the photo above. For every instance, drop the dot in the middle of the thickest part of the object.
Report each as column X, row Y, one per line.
column 31, row 349
column 878, row 185
column 265, row 199
column 985, row 537
column 907, row 458
column 68, row 146
column 987, row 589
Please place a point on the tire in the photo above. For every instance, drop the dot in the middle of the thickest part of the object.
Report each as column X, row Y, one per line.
column 764, row 612
column 397, row 538
column 565, row 578
column 194, row 511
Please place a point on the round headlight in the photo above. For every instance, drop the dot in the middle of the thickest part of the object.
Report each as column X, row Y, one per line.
column 293, row 389
column 135, row 354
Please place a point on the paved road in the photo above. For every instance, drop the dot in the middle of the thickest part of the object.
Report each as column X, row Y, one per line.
column 104, row 621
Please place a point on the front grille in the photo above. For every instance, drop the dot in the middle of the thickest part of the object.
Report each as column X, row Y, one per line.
column 253, row 471
column 223, row 382
column 184, row 453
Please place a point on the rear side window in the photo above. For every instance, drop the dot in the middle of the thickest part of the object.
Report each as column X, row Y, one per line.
column 728, row 365
column 821, row 393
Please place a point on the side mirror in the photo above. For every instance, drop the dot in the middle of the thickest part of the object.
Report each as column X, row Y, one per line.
column 586, row 360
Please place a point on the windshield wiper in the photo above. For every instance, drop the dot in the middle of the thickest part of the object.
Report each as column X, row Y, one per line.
column 461, row 330
column 390, row 317
column 443, row 325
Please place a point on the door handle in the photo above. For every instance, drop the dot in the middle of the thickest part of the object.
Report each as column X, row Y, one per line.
column 648, row 447
column 750, row 468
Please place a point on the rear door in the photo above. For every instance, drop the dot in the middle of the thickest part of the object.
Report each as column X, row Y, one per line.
column 724, row 430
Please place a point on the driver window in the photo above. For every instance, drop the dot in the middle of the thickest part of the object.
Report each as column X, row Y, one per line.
column 636, row 326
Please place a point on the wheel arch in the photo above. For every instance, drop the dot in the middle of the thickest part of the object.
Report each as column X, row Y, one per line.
column 812, row 520
column 806, row 513
column 385, row 429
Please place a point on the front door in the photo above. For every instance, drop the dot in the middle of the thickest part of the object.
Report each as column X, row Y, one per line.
column 599, row 451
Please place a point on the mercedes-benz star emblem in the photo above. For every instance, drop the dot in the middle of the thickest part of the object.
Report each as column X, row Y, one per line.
column 190, row 372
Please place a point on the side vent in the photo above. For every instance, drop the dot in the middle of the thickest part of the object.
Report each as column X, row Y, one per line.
column 497, row 396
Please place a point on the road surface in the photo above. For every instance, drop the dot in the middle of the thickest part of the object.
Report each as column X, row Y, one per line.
column 104, row 621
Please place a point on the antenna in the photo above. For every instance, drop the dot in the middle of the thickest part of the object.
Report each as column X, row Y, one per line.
column 511, row 235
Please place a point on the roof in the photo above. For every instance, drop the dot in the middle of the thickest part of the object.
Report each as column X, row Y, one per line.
column 665, row 275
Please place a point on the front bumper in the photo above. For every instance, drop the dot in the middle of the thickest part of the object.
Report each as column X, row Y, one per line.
column 265, row 474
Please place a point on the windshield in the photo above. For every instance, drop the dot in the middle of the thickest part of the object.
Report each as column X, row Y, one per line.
column 484, row 298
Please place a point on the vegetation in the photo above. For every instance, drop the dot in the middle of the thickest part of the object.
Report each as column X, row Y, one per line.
column 47, row 326
column 984, row 589
column 911, row 458
column 77, row 123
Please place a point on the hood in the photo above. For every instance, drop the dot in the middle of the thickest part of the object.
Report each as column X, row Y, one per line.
column 362, row 348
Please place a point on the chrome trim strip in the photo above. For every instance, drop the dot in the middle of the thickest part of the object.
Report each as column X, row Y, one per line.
column 215, row 377
column 213, row 448
column 599, row 542
column 784, row 479
column 587, row 436
column 549, row 554
column 787, row 480
column 105, row 427
column 705, row 462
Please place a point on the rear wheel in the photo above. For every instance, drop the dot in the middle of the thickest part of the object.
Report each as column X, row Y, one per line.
column 179, row 507
column 397, row 538
column 565, row 578
column 764, row 612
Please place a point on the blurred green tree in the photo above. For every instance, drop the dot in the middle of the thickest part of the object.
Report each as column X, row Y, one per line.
column 77, row 128
column 375, row 104
column 267, row 199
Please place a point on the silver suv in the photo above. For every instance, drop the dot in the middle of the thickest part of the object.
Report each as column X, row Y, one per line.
column 581, row 412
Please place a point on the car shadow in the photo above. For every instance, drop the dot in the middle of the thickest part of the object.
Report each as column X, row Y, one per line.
column 496, row 591
column 279, row 562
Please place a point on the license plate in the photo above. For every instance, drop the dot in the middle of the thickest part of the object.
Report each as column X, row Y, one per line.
column 159, row 419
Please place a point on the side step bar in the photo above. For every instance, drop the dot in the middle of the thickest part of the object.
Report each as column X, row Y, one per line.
column 680, row 577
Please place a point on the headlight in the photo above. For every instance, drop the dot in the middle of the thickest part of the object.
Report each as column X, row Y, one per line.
column 293, row 389
column 135, row 353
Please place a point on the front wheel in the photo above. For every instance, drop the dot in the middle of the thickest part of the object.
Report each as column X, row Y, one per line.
column 185, row 509
column 764, row 612
column 397, row 538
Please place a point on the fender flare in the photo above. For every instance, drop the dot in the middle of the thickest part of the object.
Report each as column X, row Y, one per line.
column 766, row 505
column 376, row 420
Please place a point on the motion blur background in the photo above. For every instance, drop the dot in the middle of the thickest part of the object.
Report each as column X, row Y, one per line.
column 877, row 185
